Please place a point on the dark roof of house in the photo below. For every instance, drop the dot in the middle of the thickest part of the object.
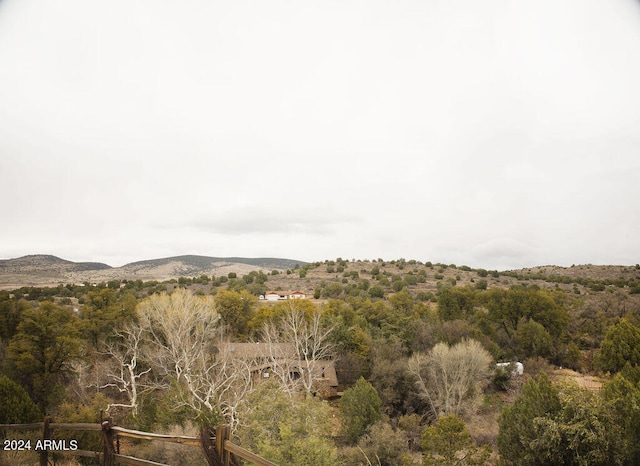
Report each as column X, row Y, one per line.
column 323, row 369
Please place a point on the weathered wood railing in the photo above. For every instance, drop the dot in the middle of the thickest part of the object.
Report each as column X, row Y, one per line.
column 225, row 448
column 218, row 449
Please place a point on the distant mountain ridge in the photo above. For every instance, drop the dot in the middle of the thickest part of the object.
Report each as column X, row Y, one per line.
column 206, row 261
column 40, row 262
column 49, row 270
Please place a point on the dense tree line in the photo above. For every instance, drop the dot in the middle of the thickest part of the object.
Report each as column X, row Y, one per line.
column 415, row 365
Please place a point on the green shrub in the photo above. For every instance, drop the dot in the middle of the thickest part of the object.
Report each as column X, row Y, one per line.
column 360, row 407
column 16, row 406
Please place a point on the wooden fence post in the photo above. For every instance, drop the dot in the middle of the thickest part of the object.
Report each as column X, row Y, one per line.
column 223, row 432
column 107, row 439
column 209, row 446
column 46, row 433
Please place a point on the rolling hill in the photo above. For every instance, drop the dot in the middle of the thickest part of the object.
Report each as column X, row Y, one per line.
column 48, row 270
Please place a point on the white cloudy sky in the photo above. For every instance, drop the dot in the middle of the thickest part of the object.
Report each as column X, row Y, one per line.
column 497, row 134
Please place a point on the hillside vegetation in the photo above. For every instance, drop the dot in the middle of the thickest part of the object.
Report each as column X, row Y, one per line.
column 413, row 345
column 47, row 270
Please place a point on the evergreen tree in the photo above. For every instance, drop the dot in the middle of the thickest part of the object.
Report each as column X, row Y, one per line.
column 620, row 346
column 568, row 425
column 622, row 394
column 519, row 431
column 46, row 342
column 448, row 442
column 16, row 406
column 359, row 408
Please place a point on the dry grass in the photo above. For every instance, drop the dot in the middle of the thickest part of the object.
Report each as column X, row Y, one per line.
column 591, row 382
column 483, row 427
column 165, row 452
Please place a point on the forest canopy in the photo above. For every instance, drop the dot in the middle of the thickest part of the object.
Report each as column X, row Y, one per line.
column 378, row 354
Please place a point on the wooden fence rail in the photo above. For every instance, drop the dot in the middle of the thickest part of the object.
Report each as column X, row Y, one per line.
column 218, row 449
column 226, row 448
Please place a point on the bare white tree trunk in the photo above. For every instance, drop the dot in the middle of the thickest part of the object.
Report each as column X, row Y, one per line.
column 279, row 359
column 297, row 345
column 124, row 373
column 182, row 341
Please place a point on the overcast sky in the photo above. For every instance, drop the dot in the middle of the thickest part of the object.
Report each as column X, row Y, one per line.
column 497, row 134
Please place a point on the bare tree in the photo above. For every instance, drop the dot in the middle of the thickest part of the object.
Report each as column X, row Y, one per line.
column 181, row 333
column 278, row 359
column 451, row 379
column 125, row 373
column 297, row 346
